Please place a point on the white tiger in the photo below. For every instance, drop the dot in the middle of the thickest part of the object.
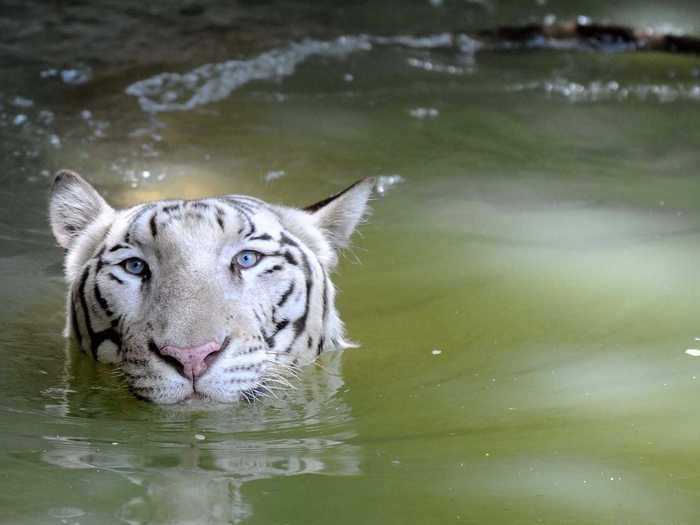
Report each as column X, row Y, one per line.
column 202, row 298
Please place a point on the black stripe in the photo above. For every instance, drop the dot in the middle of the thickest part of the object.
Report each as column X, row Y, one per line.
column 137, row 217
column 249, row 223
column 241, row 204
column 177, row 365
column 286, row 239
column 300, row 323
column 275, row 268
column 249, row 201
column 154, row 225
column 117, row 247
column 317, row 206
column 290, row 258
column 286, row 295
column 325, row 312
column 220, row 218
column 101, row 300
column 96, row 338
column 74, row 323
column 287, row 257
column 86, row 313
column 115, row 278
column 262, row 237
column 279, row 326
column 242, row 212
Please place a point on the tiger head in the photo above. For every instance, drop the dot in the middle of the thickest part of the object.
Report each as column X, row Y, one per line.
column 212, row 298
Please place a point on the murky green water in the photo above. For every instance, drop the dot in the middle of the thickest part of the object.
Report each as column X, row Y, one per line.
column 524, row 298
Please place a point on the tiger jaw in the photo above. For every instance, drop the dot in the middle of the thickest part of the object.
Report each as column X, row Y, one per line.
column 236, row 372
column 154, row 287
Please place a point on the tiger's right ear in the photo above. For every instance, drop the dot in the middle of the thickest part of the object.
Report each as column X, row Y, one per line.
column 74, row 205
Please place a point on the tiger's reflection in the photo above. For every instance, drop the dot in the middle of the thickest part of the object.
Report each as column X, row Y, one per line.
column 201, row 478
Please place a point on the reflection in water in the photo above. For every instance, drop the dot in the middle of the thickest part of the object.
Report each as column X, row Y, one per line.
column 201, row 481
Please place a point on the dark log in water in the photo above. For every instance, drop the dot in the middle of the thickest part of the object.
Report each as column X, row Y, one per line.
column 587, row 35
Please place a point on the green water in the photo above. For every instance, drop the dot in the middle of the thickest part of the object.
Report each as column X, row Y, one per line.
column 524, row 299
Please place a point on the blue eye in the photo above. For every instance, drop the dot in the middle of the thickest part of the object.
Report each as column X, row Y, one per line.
column 247, row 259
column 135, row 266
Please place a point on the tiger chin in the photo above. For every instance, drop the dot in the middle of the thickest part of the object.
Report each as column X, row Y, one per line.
column 217, row 298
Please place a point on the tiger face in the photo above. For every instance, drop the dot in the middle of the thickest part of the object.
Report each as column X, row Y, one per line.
column 213, row 298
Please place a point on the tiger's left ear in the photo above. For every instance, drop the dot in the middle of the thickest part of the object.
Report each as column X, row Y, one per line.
column 338, row 215
column 74, row 205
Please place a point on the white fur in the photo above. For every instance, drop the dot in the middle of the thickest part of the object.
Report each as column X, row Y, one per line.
column 193, row 295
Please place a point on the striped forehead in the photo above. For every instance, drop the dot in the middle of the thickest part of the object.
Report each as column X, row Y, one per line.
column 231, row 216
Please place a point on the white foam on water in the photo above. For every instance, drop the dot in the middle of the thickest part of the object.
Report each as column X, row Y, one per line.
column 214, row 82
column 72, row 76
column 417, row 42
column 437, row 67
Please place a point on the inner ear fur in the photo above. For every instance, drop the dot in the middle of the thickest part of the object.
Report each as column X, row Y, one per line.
column 338, row 215
column 73, row 206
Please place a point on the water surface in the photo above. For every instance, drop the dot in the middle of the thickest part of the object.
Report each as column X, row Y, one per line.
column 524, row 299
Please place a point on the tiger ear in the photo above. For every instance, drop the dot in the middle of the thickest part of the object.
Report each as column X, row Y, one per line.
column 338, row 215
column 73, row 206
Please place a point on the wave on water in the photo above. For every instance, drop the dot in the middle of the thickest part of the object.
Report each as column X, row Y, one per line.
column 214, row 82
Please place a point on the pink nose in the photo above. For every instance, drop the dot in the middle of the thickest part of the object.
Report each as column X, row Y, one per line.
column 193, row 360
